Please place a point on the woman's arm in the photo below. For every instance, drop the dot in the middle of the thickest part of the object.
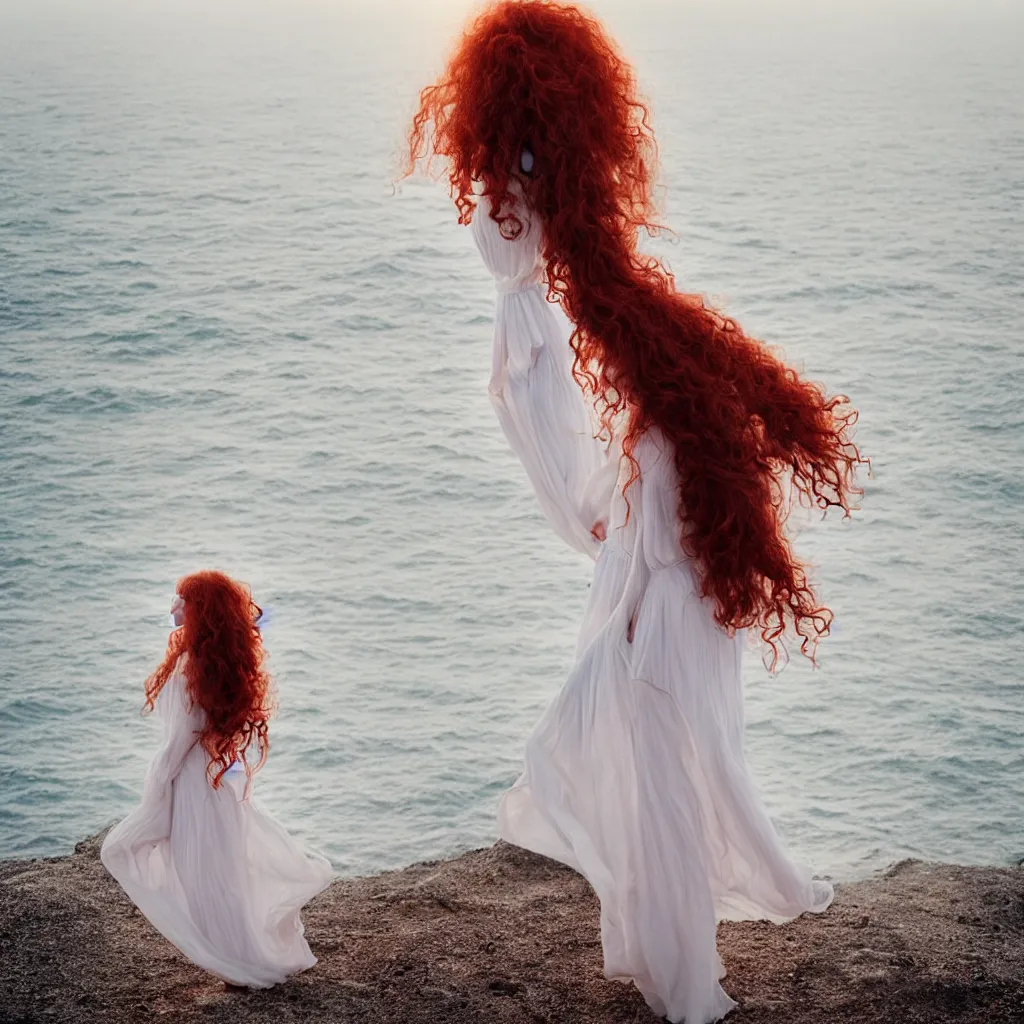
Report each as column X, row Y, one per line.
column 182, row 723
column 128, row 846
column 539, row 405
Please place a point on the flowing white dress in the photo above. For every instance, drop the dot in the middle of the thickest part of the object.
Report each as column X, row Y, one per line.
column 635, row 775
column 213, row 873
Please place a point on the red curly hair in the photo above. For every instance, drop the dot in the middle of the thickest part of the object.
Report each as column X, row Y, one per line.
column 223, row 671
column 544, row 76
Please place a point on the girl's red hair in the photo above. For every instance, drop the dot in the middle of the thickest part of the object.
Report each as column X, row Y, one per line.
column 544, row 76
column 223, row 671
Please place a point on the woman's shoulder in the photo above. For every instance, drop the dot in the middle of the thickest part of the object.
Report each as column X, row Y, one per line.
column 176, row 686
column 177, row 675
column 653, row 448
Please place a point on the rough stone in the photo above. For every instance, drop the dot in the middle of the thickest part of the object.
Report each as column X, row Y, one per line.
column 505, row 937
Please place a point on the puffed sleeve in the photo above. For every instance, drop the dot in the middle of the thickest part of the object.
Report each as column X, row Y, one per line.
column 539, row 405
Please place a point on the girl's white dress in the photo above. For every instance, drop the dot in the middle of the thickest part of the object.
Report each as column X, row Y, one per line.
column 213, row 873
column 635, row 775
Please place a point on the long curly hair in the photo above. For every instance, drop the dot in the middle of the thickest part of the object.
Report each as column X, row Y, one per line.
column 223, row 671
column 544, row 76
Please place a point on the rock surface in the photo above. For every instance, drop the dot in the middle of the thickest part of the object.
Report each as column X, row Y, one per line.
column 500, row 935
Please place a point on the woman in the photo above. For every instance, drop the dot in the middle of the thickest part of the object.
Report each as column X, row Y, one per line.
column 213, row 873
column 635, row 775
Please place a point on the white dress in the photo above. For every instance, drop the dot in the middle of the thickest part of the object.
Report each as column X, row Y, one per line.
column 212, row 872
column 635, row 775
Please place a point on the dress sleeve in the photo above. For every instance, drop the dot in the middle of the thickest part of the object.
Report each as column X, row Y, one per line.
column 182, row 723
column 130, row 851
column 539, row 405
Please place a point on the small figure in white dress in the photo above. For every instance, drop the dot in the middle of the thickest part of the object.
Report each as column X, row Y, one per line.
column 211, row 871
column 663, row 442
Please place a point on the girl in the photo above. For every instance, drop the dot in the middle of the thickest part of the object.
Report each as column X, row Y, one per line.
column 635, row 775
column 213, row 873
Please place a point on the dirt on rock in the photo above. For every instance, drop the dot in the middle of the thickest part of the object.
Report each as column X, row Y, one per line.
column 500, row 935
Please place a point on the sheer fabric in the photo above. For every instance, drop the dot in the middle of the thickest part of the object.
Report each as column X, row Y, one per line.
column 212, row 872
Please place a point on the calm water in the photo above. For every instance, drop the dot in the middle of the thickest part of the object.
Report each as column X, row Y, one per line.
column 225, row 341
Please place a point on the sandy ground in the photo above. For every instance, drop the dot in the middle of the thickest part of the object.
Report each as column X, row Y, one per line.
column 499, row 935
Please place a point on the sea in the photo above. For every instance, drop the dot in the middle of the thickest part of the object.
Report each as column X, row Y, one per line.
column 231, row 338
